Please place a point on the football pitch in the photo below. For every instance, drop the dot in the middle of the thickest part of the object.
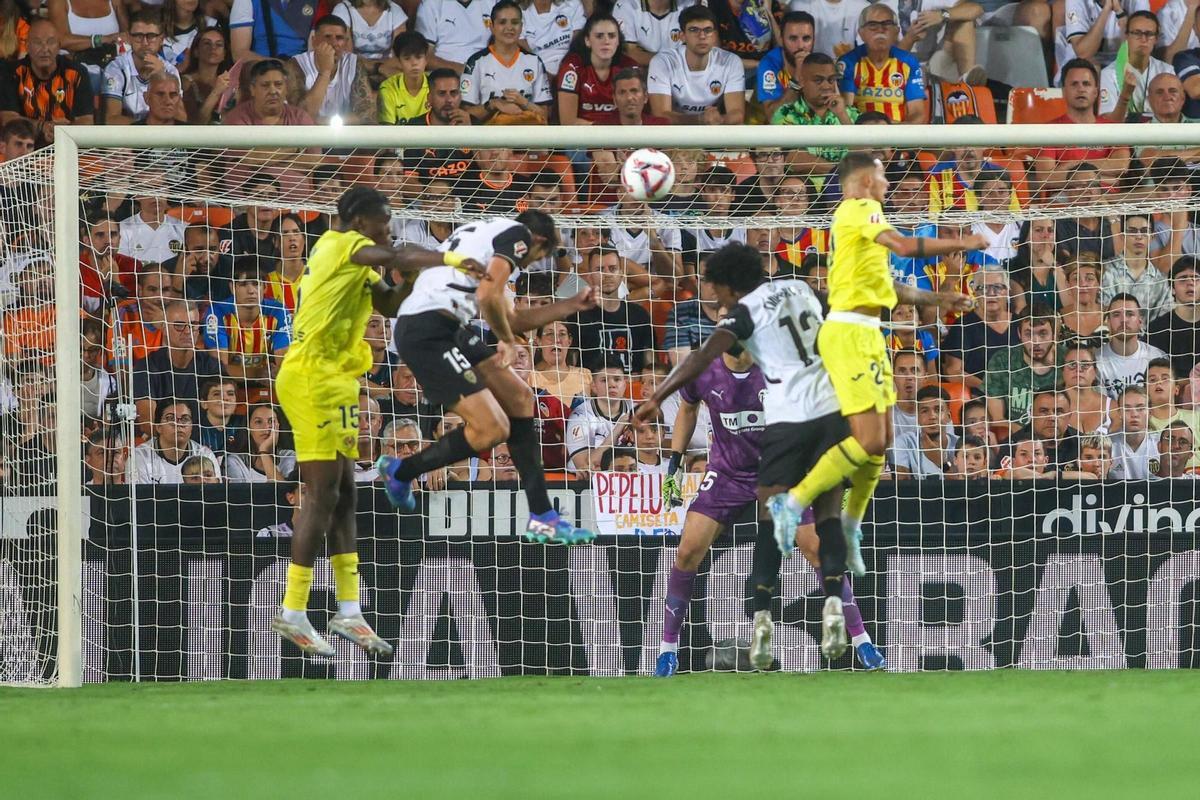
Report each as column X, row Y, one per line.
column 970, row 735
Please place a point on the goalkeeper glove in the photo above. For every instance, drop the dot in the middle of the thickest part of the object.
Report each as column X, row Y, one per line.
column 672, row 489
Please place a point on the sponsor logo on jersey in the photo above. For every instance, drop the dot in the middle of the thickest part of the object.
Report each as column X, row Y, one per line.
column 715, row 88
column 739, row 421
column 527, row 75
column 520, row 249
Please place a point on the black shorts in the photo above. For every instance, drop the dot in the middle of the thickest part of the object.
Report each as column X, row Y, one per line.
column 790, row 449
column 442, row 355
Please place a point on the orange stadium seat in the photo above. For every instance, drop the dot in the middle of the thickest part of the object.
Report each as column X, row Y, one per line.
column 953, row 100
column 1029, row 106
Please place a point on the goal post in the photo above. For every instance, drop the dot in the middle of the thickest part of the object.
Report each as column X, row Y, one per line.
column 458, row 587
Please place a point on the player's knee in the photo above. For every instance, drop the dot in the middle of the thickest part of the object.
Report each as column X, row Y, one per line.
column 873, row 441
column 689, row 556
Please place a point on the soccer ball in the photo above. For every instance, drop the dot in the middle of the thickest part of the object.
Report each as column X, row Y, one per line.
column 648, row 174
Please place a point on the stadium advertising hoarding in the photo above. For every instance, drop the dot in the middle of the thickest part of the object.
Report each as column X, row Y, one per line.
column 1044, row 576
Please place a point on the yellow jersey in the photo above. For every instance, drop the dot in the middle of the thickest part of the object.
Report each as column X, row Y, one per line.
column 333, row 306
column 860, row 275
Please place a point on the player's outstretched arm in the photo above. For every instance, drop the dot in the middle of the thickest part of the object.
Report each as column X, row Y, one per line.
column 927, row 247
column 697, row 361
column 532, row 319
column 494, row 306
column 911, row 295
column 407, row 258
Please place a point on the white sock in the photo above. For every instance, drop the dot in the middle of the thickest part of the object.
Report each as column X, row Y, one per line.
column 795, row 506
column 668, row 647
column 762, row 614
column 849, row 523
column 292, row 617
column 862, row 638
column 349, row 608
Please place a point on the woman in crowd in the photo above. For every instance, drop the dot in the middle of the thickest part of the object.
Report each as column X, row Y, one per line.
column 281, row 283
column 597, row 54
column 549, row 27
column 1081, row 315
column 13, row 31
column 557, row 369
column 374, row 25
column 182, row 20
column 89, row 31
column 1035, row 267
column 206, row 77
column 1089, row 407
column 503, row 84
column 256, row 455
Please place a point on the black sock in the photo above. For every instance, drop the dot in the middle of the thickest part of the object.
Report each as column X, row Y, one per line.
column 764, row 572
column 450, row 449
column 526, row 452
column 832, row 550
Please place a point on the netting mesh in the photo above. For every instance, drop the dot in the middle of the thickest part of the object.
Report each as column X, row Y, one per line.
column 1050, row 555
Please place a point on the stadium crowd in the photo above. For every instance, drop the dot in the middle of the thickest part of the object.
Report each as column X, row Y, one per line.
column 1079, row 362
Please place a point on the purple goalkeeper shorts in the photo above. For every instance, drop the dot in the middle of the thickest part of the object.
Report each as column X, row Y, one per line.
column 724, row 499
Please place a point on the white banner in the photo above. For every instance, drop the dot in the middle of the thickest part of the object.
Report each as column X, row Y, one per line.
column 631, row 503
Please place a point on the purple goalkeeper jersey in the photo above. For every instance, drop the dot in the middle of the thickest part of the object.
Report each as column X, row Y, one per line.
column 735, row 407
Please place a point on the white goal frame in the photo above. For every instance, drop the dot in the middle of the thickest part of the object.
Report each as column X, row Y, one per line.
column 71, row 141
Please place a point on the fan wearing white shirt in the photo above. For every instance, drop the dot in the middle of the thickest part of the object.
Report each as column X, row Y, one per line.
column 549, row 27
column 1135, row 446
column 650, row 26
column 836, row 29
column 374, row 25
column 126, row 76
column 1092, row 30
column 689, row 86
column 503, row 78
column 1124, row 358
column 924, row 453
column 161, row 459
column 455, row 30
column 328, row 80
column 151, row 235
column 1124, row 96
column 1177, row 32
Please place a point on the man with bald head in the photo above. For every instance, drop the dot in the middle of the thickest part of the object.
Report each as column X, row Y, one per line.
column 1165, row 97
column 45, row 88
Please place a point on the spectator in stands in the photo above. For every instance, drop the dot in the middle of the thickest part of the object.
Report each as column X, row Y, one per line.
column 586, row 78
column 976, row 421
column 404, row 96
column 258, row 456
column 1049, row 423
column 1162, row 391
column 176, row 370
column 501, row 463
column 454, row 30
column 206, row 77
column 869, row 72
column 104, row 455
column 550, row 25
column 1077, row 237
column 902, row 334
column 401, row 438
column 1096, row 456
column 1054, row 165
column 648, row 442
column 201, row 271
column 1177, row 447
column 972, row 459
column 219, row 426
column 1081, row 314
column 1015, row 373
column 370, row 445
column 1026, row 462
column 375, row 25
column 163, row 100
column 550, row 413
column 981, row 334
column 908, row 374
column 929, row 451
column 1088, row 408
column 377, row 382
column 615, row 328
column 836, row 23
column 690, row 322
column 268, row 103
column 44, row 87
column 105, row 274
column 126, row 76
column 249, row 333
column 469, row 469
column 650, row 27
column 746, row 28
column 501, row 83
column 18, row 137
column 600, row 421
column 182, row 21
column 1165, row 98
column 1093, row 32
column 1124, row 358
column 718, row 195
column 700, row 83
column 160, row 460
column 1132, row 273
column 942, row 34
column 408, row 400
column 142, row 318
column 281, row 283
column 1123, row 97
column 818, row 102
column 328, row 80
column 959, row 181
column 253, row 36
column 630, row 97
column 556, row 365
column 620, row 459
column 777, row 82
column 1178, row 333
column 199, row 470
column 151, row 236
column 1174, row 233
column 1135, row 448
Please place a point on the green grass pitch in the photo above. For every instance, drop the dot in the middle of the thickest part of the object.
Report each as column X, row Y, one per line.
column 965, row 735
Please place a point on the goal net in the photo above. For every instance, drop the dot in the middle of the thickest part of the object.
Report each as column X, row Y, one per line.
column 1038, row 508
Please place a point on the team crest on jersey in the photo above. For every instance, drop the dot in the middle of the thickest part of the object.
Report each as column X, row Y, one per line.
column 561, row 21
column 60, row 95
column 896, row 79
column 570, row 80
column 487, row 21
column 469, row 376
column 676, row 35
column 715, row 88
column 1154, row 463
column 527, row 75
column 307, row 10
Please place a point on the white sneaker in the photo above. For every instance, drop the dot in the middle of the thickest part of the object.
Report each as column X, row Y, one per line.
column 302, row 635
column 833, row 628
column 355, row 629
column 760, row 645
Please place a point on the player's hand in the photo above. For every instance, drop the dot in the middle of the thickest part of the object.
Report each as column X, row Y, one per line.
column 975, row 241
column 473, row 268
column 507, row 352
column 672, row 491
column 956, row 301
column 644, row 412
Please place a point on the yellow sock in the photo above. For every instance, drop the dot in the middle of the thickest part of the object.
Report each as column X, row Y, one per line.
column 299, row 581
column 838, row 463
column 345, row 575
column 862, row 487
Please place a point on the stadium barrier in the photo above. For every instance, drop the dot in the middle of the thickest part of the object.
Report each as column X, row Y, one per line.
column 1067, row 576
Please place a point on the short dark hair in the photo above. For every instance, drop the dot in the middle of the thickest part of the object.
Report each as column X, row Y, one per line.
column 696, row 13
column 968, row 119
column 18, row 127
column 1144, row 14
column 330, row 20
column 797, row 18
column 411, row 43
column 818, row 60
column 609, row 361
column 160, row 410
column 933, row 392
column 541, row 224
column 1036, row 314
column 148, row 16
column 260, row 68
column 210, row 383
column 971, row 440
column 737, row 266
column 1185, row 264
column 359, row 200
column 867, row 117
column 443, row 74
column 854, row 161
column 1080, row 63
column 989, row 174
column 1162, row 362
column 908, row 351
column 718, row 177
column 631, row 73
column 1168, row 169
column 246, row 267
column 1123, row 297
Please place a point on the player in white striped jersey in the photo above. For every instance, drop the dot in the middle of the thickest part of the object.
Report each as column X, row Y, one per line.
column 457, row 369
column 777, row 323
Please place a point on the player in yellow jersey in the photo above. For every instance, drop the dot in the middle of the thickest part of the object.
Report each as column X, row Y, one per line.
column 853, row 348
column 318, row 388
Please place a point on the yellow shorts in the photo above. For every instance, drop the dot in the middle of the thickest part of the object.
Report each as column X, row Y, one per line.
column 857, row 360
column 322, row 409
